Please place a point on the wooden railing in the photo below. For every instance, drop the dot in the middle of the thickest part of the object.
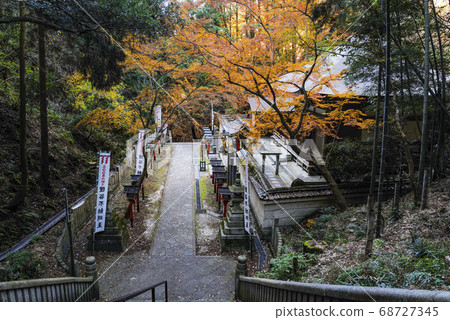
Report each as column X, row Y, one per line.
column 259, row 290
column 266, row 290
column 48, row 290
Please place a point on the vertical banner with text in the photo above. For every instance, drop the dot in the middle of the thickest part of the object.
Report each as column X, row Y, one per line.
column 158, row 118
column 246, row 199
column 102, row 190
column 139, row 154
column 212, row 118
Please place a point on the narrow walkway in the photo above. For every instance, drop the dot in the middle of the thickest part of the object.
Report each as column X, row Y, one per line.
column 172, row 256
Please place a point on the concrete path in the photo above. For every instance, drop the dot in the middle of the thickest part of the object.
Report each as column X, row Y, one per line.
column 172, row 256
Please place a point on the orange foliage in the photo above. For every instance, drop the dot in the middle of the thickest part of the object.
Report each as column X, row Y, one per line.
column 274, row 51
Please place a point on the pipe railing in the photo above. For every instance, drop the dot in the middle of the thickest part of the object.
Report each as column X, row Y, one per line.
column 139, row 292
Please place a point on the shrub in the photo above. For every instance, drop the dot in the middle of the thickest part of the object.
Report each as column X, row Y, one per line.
column 283, row 267
column 22, row 265
column 397, row 271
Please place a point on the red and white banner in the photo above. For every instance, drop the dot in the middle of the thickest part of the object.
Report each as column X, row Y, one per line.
column 102, row 190
column 139, row 154
column 246, row 199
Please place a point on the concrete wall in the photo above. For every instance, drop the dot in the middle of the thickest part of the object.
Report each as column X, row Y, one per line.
column 284, row 210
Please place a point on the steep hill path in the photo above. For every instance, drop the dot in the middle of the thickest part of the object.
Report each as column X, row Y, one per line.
column 172, row 255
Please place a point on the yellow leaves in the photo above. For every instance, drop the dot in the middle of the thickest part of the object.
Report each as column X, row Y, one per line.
column 121, row 118
column 309, row 223
column 105, row 110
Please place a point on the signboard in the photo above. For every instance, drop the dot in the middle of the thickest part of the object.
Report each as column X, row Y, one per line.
column 102, row 190
column 139, row 155
column 246, row 199
column 158, row 117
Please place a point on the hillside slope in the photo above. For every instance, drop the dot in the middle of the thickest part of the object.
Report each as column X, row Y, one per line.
column 73, row 164
column 413, row 252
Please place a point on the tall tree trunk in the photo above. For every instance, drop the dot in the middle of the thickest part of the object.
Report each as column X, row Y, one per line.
column 409, row 159
column 440, row 144
column 424, row 139
column 340, row 199
column 387, row 88
column 371, row 202
column 21, row 193
column 45, row 172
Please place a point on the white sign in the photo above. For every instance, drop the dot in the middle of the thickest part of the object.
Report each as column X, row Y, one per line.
column 212, row 118
column 139, row 155
column 158, row 117
column 102, row 190
column 246, row 199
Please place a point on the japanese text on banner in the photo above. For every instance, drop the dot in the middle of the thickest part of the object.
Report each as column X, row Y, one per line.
column 139, row 155
column 102, row 190
column 246, row 199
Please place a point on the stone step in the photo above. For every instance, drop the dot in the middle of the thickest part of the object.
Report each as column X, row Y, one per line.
column 245, row 236
column 235, row 217
column 233, row 231
column 235, row 224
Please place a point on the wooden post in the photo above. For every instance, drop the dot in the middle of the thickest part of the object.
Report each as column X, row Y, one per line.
column 263, row 163
column 423, row 203
column 274, row 228
column 295, row 265
column 396, row 195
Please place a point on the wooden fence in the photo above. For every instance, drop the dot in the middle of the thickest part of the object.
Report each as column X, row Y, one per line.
column 48, row 290
column 259, row 290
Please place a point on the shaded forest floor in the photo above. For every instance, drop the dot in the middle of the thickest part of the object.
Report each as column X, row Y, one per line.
column 413, row 251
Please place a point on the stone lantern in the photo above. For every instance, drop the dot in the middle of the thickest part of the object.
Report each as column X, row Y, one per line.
column 216, row 168
column 220, row 178
column 132, row 192
column 232, row 232
column 134, row 181
column 225, row 197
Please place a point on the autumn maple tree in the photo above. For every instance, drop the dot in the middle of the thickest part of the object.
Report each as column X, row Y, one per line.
column 276, row 53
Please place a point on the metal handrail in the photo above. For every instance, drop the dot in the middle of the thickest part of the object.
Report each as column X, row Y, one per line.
column 138, row 293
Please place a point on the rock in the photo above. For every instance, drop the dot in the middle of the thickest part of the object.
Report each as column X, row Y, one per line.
column 314, row 246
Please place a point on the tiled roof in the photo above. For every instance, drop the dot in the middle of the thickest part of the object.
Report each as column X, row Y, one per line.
column 304, row 192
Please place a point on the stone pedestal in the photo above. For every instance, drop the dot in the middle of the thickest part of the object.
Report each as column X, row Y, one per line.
column 111, row 239
column 233, row 236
